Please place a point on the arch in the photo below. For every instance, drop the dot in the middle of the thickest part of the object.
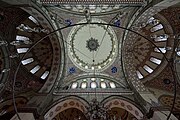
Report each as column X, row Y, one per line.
column 125, row 104
column 64, row 104
column 42, row 18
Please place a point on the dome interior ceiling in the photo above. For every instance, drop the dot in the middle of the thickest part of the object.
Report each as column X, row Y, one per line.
column 91, row 52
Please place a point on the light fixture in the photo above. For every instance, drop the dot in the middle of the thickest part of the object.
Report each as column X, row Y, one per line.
column 14, row 55
column 21, row 42
column 97, row 111
column 3, row 43
column 26, row 28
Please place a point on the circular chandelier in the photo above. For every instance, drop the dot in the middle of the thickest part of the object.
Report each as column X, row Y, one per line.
column 97, row 111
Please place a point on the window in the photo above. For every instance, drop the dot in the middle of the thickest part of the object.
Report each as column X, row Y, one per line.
column 85, row 80
column 80, row 7
column 103, row 85
column 93, row 85
column 35, row 69
column 104, row 7
column 74, row 85
column 157, row 27
column 83, row 85
column 18, row 37
column 148, row 69
column 161, row 38
column 163, row 50
column 150, row 20
column 178, row 53
column 140, row 76
column 45, row 74
column 93, row 79
column 67, row 6
column 155, row 60
column 33, row 19
column 112, row 85
column 92, row 7
column 22, row 50
column 27, row 61
column 153, row 21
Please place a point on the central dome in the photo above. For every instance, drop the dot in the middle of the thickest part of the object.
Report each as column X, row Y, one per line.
column 92, row 46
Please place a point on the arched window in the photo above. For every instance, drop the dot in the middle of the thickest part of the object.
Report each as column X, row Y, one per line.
column 22, row 50
column 27, row 61
column 74, row 85
column 19, row 37
column 112, row 85
column 156, row 28
column 45, row 74
column 163, row 49
column 35, row 69
column 83, row 85
column 93, row 84
column 140, row 76
column 103, row 85
column 33, row 20
column 148, row 69
column 155, row 60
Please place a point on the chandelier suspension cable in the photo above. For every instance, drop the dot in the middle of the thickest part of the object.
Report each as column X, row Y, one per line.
column 90, row 31
column 48, row 34
column 94, row 73
column 175, row 83
column 89, row 20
